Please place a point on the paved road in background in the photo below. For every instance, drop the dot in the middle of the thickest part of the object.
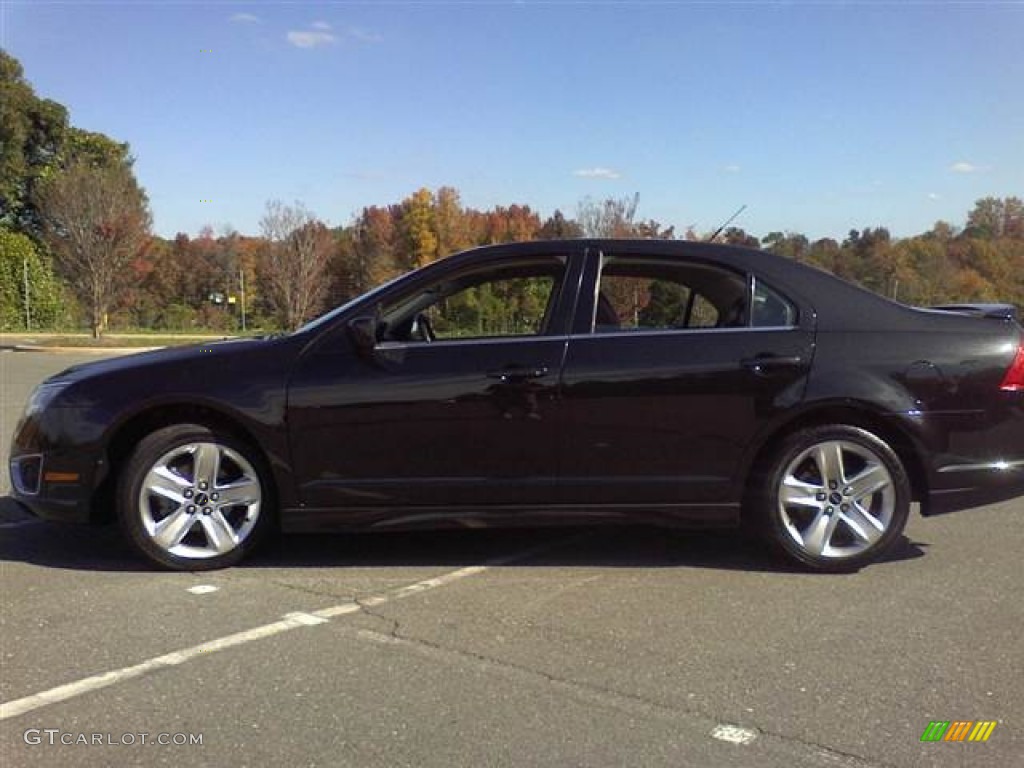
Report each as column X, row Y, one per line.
column 632, row 647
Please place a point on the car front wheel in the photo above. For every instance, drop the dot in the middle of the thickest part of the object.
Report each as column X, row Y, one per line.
column 836, row 498
column 192, row 498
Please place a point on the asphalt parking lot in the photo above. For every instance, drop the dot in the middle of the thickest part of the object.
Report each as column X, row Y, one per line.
column 633, row 647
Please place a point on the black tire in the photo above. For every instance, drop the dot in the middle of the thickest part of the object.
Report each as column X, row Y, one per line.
column 194, row 498
column 819, row 519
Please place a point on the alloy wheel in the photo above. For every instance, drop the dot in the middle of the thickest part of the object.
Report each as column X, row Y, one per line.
column 200, row 500
column 836, row 499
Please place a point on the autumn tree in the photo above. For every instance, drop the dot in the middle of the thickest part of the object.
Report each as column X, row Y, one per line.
column 557, row 227
column 368, row 255
column 418, row 230
column 613, row 217
column 454, row 228
column 95, row 220
column 511, row 224
column 295, row 261
column 792, row 246
column 993, row 218
column 737, row 236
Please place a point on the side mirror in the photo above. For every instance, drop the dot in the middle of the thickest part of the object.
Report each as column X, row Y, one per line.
column 363, row 332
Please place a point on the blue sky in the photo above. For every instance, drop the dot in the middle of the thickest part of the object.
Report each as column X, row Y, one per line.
column 819, row 116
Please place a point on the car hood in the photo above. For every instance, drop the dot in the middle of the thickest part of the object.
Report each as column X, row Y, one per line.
column 199, row 353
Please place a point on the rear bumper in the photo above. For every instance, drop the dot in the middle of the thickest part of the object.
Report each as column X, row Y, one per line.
column 966, row 486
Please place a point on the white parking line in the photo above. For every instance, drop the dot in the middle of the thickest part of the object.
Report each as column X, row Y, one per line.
column 288, row 622
column 734, row 734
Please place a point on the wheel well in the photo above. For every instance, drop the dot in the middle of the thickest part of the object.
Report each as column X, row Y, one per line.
column 136, row 428
column 897, row 439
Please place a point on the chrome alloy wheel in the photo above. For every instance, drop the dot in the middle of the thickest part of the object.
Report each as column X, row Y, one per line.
column 200, row 500
column 836, row 499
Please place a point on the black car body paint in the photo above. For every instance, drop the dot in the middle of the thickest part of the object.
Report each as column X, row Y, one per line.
column 568, row 425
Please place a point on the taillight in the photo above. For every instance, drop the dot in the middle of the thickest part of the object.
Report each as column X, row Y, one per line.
column 1014, row 379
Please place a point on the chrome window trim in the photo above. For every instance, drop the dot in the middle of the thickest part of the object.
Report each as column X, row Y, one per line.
column 686, row 331
column 387, row 345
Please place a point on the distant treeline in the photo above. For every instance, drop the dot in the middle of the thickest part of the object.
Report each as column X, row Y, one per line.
column 186, row 282
column 76, row 248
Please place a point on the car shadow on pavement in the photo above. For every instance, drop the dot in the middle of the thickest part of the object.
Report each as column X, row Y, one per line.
column 102, row 548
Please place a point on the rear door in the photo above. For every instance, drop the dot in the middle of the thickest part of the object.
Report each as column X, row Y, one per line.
column 673, row 366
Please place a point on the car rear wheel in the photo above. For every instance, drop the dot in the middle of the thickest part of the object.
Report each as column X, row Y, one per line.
column 836, row 498
column 193, row 498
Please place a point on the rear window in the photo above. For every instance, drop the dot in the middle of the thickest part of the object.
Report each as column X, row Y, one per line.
column 651, row 294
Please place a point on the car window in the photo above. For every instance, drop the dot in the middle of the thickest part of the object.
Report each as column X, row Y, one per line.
column 771, row 309
column 511, row 300
column 646, row 294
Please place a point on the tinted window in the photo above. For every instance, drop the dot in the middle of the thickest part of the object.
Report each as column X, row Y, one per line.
column 646, row 294
column 771, row 309
column 511, row 300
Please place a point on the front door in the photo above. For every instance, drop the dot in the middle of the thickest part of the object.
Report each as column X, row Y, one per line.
column 456, row 405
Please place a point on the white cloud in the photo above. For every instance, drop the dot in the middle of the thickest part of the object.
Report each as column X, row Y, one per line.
column 933, row 195
column 597, row 173
column 732, row 168
column 360, row 35
column 321, row 33
column 245, row 18
column 964, row 167
column 310, row 39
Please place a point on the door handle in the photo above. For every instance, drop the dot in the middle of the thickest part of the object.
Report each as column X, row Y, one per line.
column 764, row 364
column 514, row 374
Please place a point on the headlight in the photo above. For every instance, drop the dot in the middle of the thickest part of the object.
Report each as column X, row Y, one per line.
column 43, row 395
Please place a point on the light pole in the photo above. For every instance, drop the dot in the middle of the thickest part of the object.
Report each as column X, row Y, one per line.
column 241, row 285
column 28, row 312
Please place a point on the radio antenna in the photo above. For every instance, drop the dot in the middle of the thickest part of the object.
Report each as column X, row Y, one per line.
column 728, row 221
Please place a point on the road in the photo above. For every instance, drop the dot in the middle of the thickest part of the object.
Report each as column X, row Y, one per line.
column 633, row 647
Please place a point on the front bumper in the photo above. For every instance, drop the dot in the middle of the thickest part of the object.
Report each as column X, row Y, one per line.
column 52, row 490
column 53, row 477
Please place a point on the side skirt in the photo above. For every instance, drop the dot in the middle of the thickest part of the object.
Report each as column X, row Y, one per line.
column 310, row 520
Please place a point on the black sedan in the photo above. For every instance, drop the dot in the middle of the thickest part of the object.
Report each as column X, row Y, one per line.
column 541, row 383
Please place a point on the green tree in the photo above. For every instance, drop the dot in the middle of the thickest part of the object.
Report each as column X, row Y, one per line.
column 666, row 306
column 792, row 246
column 32, row 134
column 24, row 274
column 96, row 150
column 994, row 217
